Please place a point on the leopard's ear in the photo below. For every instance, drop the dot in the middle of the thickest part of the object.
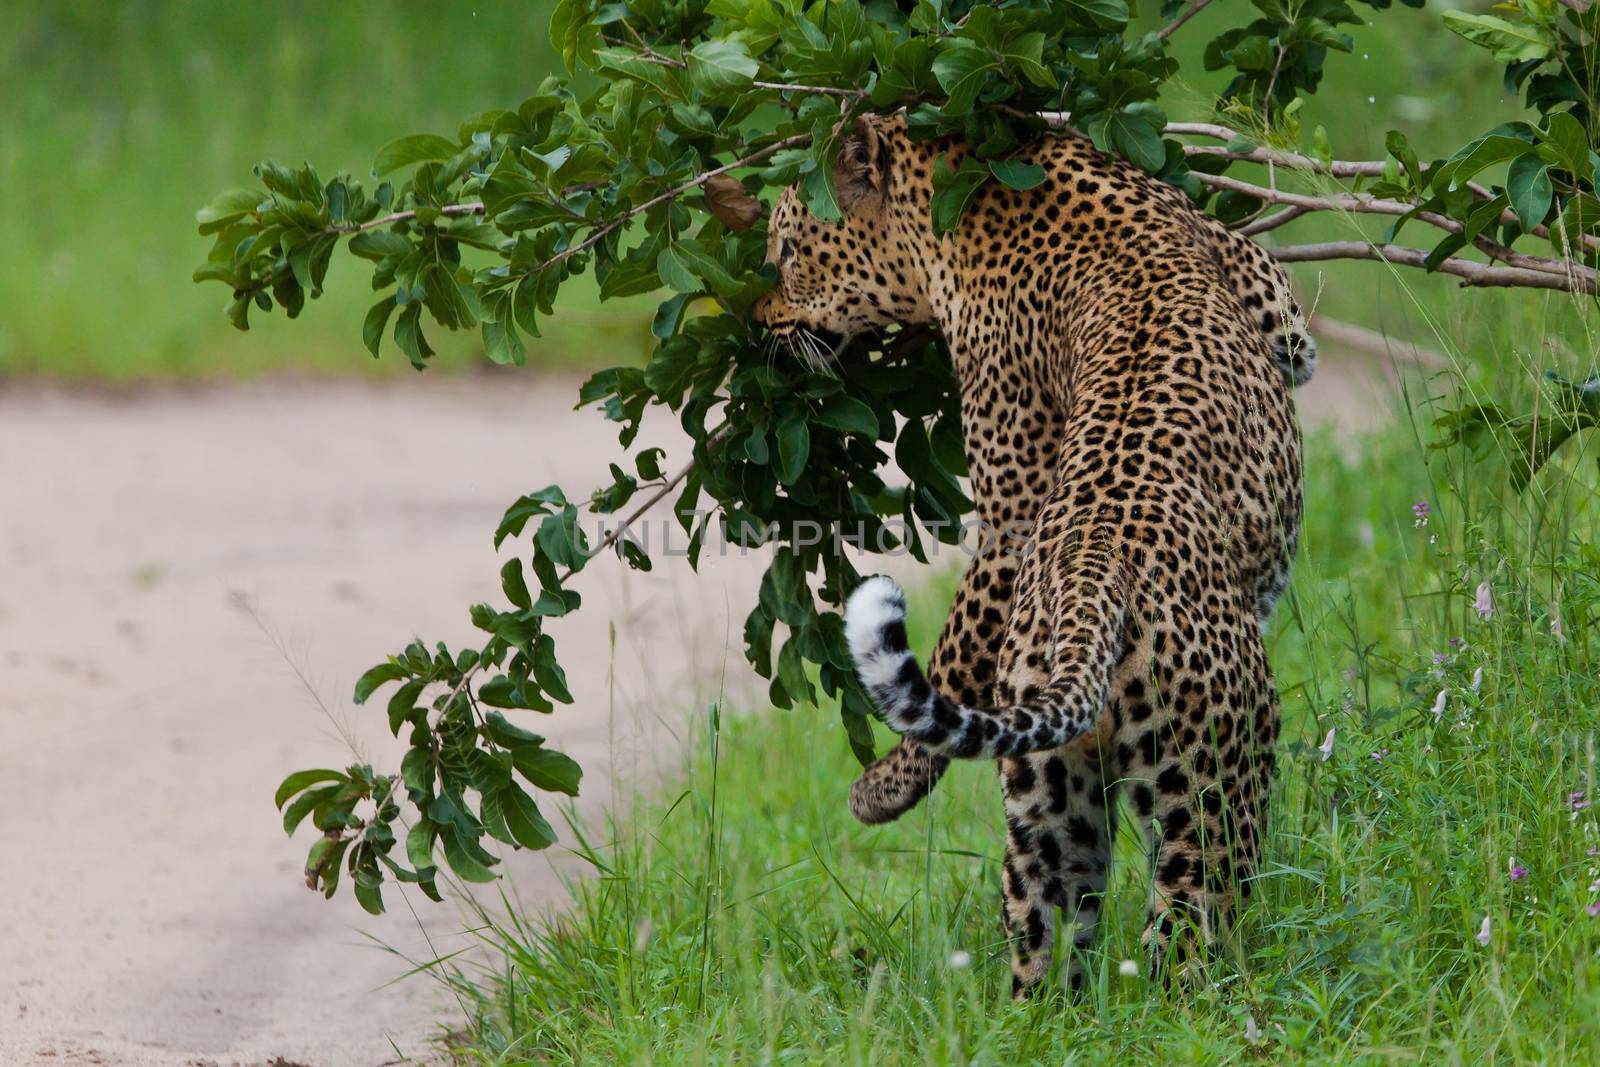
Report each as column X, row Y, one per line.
column 861, row 171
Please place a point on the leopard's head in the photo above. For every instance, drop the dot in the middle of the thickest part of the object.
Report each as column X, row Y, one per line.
column 838, row 279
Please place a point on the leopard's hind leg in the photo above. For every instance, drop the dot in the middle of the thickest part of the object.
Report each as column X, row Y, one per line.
column 1198, row 740
column 1061, row 821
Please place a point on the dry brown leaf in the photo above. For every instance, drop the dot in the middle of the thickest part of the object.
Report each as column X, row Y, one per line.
column 731, row 204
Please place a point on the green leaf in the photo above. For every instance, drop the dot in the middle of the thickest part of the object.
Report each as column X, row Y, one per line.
column 307, row 802
column 1509, row 42
column 1474, row 158
column 502, row 344
column 403, row 704
column 794, row 448
column 515, row 585
column 792, row 673
column 368, row 896
column 962, row 70
column 226, row 207
column 840, row 412
column 1569, row 145
column 508, row 734
column 1135, row 132
column 675, row 272
column 376, row 322
column 718, row 65
column 1017, row 174
column 953, row 191
column 465, row 857
column 528, row 827
column 419, row 844
column 408, row 335
column 554, row 772
column 416, row 148
column 1529, row 189
column 382, row 674
column 300, row 780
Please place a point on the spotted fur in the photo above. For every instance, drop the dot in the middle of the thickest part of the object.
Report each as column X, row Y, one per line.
column 1125, row 365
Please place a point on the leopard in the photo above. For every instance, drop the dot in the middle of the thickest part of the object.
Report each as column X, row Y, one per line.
column 1125, row 364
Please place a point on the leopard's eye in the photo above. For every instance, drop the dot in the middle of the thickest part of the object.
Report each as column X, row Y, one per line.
column 785, row 251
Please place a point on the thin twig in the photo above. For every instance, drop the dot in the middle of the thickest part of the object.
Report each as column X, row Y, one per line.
column 453, row 210
column 676, row 191
column 609, row 540
column 1194, row 8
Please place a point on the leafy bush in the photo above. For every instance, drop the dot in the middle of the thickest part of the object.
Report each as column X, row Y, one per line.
column 646, row 169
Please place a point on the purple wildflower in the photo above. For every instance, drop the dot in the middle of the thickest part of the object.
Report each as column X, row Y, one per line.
column 1483, row 932
column 1420, row 511
column 1483, row 604
column 1439, row 703
column 1456, row 642
column 1578, row 800
column 1326, row 748
column 1477, row 679
column 1594, row 909
column 1518, row 871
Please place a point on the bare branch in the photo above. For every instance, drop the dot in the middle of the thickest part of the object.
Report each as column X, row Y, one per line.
column 1338, row 168
column 1271, row 222
column 1360, row 203
column 1471, row 273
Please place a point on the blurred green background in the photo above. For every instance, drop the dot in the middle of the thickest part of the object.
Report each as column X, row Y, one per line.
column 121, row 119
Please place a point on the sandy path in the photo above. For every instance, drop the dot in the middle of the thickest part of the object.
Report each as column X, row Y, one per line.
column 154, row 909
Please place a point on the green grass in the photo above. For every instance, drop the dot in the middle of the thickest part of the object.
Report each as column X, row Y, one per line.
column 121, row 120
column 740, row 915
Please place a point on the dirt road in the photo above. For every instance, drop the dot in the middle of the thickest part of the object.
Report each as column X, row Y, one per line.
column 171, row 565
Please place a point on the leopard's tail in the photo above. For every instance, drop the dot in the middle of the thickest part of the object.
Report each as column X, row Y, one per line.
column 1067, row 708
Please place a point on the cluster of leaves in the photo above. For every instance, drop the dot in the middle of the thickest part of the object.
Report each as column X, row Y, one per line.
column 1527, row 440
column 1280, row 54
column 647, row 168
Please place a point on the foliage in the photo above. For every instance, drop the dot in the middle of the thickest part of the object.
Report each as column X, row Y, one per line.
column 645, row 170
column 1529, row 440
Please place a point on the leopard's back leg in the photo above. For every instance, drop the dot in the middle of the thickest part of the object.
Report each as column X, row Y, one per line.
column 1061, row 822
column 1195, row 741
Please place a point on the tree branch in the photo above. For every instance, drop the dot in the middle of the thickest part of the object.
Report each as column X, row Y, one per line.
column 1471, row 273
column 1360, row 203
column 1264, row 223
